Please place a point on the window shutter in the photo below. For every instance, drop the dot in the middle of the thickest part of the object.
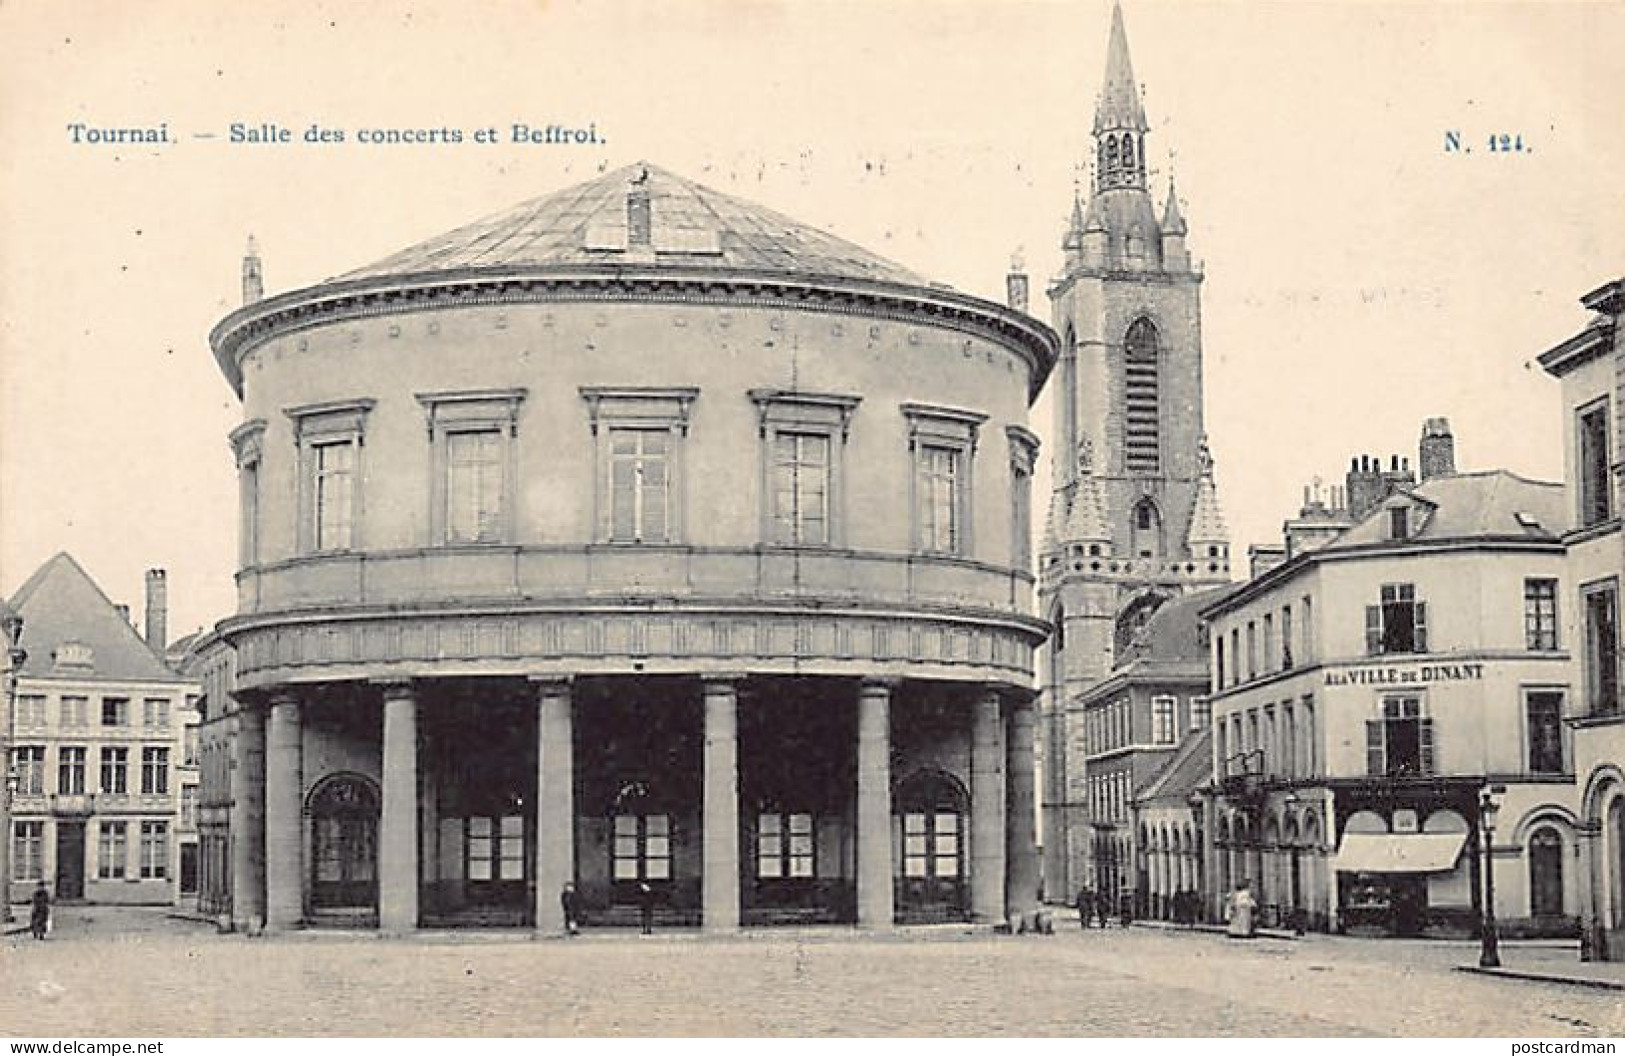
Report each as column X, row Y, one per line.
column 1421, row 644
column 1424, row 729
column 655, row 521
column 621, row 499
column 1373, row 748
column 1373, row 629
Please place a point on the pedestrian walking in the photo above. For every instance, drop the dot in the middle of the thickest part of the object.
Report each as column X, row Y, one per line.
column 567, row 902
column 1086, row 906
column 1125, row 914
column 1103, row 907
column 39, row 916
column 1238, row 912
column 646, row 906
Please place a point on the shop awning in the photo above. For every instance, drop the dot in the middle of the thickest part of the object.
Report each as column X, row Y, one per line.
column 1420, row 852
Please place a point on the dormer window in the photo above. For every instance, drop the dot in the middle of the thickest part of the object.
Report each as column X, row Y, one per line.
column 1399, row 522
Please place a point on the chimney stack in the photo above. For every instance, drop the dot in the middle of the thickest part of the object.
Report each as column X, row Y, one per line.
column 253, row 277
column 639, row 211
column 157, row 609
column 1015, row 284
column 1437, row 450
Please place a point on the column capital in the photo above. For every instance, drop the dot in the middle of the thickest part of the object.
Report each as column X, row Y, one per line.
column 878, row 685
column 552, row 685
column 394, row 688
column 722, row 681
column 282, row 695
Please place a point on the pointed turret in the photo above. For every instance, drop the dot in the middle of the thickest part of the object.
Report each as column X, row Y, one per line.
column 1086, row 524
column 1072, row 242
column 1174, row 254
column 1208, row 538
column 1054, row 521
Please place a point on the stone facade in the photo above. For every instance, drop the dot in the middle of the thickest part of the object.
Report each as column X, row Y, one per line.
column 680, row 546
column 1591, row 366
column 1134, row 519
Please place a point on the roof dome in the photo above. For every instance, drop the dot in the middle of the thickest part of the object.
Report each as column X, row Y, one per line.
column 645, row 215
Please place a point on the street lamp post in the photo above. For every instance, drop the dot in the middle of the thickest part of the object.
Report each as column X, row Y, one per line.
column 1489, row 953
column 11, row 625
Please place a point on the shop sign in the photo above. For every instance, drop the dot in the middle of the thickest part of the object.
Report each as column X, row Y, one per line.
column 1405, row 675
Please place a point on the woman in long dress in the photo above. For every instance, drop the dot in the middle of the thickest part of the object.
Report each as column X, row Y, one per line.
column 1240, row 907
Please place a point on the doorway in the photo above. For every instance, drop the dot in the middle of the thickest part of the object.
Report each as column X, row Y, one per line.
column 344, row 844
column 70, row 861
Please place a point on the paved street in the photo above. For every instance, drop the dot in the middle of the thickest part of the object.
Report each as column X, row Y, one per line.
column 136, row 973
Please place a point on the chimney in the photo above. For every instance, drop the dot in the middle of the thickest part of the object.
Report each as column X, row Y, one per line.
column 123, row 611
column 639, row 211
column 253, row 278
column 1015, row 284
column 1437, row 452
column 157, row 609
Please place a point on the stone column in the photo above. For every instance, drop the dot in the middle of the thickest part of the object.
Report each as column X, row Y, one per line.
column 1586, row 883
column 247, row 820
column 987, row 809
column 284, row 812
column 719, row 894
column 398, row 822
column 1021, row 849
column 555, row 800
column 875, row 907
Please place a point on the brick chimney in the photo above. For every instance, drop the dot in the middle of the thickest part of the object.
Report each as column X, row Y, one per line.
column 157, row 609
column 1437, row 450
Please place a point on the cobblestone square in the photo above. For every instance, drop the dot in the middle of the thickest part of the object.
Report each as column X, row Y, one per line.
column 139, row 974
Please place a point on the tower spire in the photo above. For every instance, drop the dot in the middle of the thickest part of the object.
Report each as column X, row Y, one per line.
column 1120, row 124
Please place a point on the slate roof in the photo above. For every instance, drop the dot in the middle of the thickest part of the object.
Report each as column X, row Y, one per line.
column 61, row 603
column 1171, row 635
column 691, row 224
column 1492, row 504
column 1190, row 768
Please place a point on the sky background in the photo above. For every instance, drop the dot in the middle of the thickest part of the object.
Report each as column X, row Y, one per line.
column 1359, row 277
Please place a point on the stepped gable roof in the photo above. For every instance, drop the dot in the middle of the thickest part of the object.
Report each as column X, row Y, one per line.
column 587, row 224
column 1491, row 504
column 60, row 603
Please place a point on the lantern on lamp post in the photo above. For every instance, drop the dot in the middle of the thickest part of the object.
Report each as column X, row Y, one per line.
column 11, row 626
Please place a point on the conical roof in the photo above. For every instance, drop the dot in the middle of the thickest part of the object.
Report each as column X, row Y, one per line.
column 587, row 224
column 1207, row 519
column 1120, row 95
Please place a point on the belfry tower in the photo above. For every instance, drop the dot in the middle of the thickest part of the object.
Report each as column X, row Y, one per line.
column 1135, row 517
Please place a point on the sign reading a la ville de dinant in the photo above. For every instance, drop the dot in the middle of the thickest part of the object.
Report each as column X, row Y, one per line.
column 1407, row 675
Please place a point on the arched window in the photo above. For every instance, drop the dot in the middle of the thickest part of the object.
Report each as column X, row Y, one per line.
column 1142, row 403
column 1128, row 155
column 932, row 807
column 1111, row 158
column 1147, row 532
column 344, row 842
column 1546, row 873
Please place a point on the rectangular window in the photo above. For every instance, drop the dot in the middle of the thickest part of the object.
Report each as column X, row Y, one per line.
column 1601, row 605
column 189, row 796
column 1544, row 711
column 154, row 850
column 30, row 710
column 1400, row 742
column 115, row 770
column 1235, row 656
column 1163, row 728
column 1308, row 630
column 474, row 486
column 1286, row 638
column 70, row 770
column 112, row 850
column 1021, row 517
column 1269, row 642
column 28, row 761
column 801, row 489
column 642, row 847
column 931, row 841
column 248, row 533
column 28, row 850
column 1398, row 624
column 939, row 499
column 1399, row 521
column 1540, row 614
column 784, row 847
column 1596, row 499
column 155, row 713
column 115, row 711
column 1252, row 650
column 1201, row 713
column 495, row 847
column 75, row 711
column 189, row 746
column 639, row 485
column 1311, row 743
column 155, row 771
column 1218, row 662
column 333, row 483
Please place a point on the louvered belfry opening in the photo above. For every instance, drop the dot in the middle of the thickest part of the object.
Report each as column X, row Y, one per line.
column 1142, row 417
